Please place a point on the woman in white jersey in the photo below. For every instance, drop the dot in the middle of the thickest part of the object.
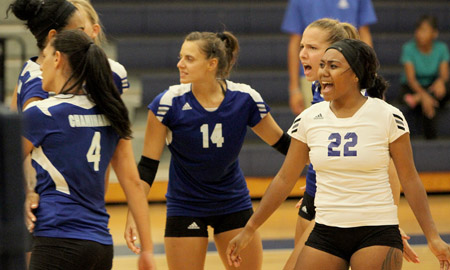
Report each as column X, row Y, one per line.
column 72, row 138
column 204, row 121
column 349, row 138
column 316, row 38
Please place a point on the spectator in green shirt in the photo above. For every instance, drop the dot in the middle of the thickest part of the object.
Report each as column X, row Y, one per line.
column 425, row 82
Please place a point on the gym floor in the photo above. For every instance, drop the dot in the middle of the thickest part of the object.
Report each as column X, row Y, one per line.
column 277, row 234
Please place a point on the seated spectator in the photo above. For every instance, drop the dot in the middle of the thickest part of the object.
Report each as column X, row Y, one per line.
column 425, row 82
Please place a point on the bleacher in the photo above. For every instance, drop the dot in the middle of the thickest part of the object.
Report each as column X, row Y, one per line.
column 148, row 36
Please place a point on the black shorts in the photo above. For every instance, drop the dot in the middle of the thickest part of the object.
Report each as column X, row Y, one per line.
column 70, row 254
column 344, row 242
column 307, row 209
column 198, row 226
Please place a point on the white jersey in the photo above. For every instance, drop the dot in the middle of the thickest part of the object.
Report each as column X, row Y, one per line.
column 351, row 159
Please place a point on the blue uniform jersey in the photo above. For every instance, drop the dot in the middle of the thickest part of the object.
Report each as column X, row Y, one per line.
column 311, row 173
column 204, row 177
column 29, row 84
column 73, row 145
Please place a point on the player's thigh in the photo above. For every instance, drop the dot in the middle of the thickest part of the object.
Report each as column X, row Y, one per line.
column 377, row 257
column 301, row 227
column 183, row 251
column 314, row 259
column 251, row 255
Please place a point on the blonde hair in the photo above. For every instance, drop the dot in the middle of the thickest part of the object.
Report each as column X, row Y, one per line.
column 224, row 46
column 336, row 30
column 93, row 18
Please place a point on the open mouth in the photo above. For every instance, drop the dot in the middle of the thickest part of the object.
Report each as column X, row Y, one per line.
column 326, row 86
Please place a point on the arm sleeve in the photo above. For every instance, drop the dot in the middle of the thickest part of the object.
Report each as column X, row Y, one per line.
column 397, row 124
column 162, row 111
column 406, row 56
column 36, row 125
column 258, row 109
column 120, row 76
column 366, row 13
column 29, row 90
column 446, row 56
column 298, row 130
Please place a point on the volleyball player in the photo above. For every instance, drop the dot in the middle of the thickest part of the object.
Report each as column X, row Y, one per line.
column 72, row 138
column 349, row 138
column 44, row 19
column 318, row 36
column 204, row 121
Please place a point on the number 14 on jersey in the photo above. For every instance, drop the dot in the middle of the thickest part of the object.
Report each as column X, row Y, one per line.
column 216, row 135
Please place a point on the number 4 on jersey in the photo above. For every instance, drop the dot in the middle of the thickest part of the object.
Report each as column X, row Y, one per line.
column 93, row 154
column 216, row 136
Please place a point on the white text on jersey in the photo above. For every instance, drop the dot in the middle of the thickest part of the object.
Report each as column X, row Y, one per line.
column 93, row 120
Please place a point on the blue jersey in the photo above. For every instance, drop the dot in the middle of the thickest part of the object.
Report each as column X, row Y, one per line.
column 204, row 177
column 29, row 84
column 73, row 145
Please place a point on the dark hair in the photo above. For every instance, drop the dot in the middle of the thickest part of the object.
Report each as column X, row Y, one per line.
column 431, row 20
column 224, row 46
column 41, row 16
column 364, row 63
column 91, row 71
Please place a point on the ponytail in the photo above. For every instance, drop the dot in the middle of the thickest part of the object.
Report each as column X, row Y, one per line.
column 379, row 87
column 91, row 71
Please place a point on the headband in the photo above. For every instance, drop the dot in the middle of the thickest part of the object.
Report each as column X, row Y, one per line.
column 352, row 55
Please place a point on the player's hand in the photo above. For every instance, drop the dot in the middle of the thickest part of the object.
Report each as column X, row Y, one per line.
column 238, row 243
column 146, row 261
column 442, row 252
column 131, row 234
column 408, row 253
column 31, row 203
column 296, row 102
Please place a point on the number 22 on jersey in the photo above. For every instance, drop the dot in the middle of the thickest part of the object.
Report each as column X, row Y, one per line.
column 350, row 140
column 216, row 135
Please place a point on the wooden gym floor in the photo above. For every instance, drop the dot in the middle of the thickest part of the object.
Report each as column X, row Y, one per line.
column 277, row 234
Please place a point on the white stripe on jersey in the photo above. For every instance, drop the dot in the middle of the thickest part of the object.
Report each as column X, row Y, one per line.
column 245, row 88
column 166, row 100
column 35, row 72
column 120, row 70
column 79, row 100
column 60, row 182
